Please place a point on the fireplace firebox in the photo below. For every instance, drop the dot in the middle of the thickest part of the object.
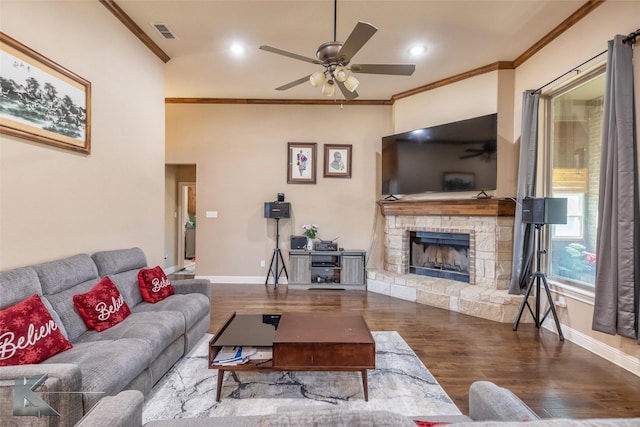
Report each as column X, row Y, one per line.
column 439, row 254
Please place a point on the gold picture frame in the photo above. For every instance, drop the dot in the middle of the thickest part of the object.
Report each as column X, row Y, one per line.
column 42, row 101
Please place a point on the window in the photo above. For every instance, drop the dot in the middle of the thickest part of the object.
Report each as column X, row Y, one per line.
column 573, row 162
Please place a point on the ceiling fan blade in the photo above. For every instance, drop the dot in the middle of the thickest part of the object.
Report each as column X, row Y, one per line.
column 294, row 83
column 362, row 32
column 347, row 94
column 394, row 69
column 290, row 54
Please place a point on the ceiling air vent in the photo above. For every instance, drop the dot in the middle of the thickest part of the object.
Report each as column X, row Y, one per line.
column 165, row 31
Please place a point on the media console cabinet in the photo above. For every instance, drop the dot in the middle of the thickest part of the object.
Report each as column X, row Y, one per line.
column 327, row 269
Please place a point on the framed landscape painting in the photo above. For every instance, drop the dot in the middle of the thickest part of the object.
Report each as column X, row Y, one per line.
column 301, row 163
column 458, row 181
column 42, row 101
column 337, row 161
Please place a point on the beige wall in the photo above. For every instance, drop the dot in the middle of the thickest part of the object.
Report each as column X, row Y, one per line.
column 461, row 100
column 241, row 157
column 56, row 203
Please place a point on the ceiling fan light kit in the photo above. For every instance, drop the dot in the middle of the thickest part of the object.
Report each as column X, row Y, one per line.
column 335, row 56
column 317, row 78
column 341, row 73
column 351, row 83
column 328, row 88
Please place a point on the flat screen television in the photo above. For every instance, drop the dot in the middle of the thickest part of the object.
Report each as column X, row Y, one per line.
column 458, row 156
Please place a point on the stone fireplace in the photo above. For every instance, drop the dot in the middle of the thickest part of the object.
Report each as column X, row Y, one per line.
column 477, row 255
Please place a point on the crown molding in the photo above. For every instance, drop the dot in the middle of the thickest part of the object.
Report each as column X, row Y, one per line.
column 135, row 29
column 583, row 11
column 500, row 65
column 245, row 101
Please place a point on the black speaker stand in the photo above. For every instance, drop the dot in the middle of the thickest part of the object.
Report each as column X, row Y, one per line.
column 538, row 277
column 276, row 259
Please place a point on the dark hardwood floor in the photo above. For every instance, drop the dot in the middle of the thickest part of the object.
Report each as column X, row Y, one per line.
column 555, row 379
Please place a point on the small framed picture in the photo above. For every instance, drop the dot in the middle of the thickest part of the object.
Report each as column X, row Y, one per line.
column 458, row 181
column 337, row 161
column 301, row 163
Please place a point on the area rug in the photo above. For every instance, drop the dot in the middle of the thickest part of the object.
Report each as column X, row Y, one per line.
column 400, row 383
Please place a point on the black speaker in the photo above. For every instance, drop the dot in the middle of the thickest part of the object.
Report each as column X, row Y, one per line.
column 544, row 210
column 298, row 242
column 277, row 210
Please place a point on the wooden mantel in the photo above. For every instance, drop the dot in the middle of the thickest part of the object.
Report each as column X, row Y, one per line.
column 467, row 207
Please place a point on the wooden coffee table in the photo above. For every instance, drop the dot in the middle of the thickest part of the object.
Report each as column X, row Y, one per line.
column 300, row 342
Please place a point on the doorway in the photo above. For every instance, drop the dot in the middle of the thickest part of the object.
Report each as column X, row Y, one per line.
column 180, row 218
column 187, row 226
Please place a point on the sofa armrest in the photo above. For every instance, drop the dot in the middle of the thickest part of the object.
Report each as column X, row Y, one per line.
column 189, row 286
column 122, row 410
column 62, row 390
column 488, row 402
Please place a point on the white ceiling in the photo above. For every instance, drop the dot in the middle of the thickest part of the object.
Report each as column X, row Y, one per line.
column 459, row 35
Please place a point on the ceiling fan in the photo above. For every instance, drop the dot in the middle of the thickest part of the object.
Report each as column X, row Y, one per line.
column 488, row 149
column 335, row 57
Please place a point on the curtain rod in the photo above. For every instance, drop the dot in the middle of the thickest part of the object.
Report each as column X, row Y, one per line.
column 630, row 39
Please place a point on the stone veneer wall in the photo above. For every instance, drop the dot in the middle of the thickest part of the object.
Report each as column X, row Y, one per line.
column 491, row 252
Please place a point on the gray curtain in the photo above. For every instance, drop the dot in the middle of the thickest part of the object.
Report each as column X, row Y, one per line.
column 523, row 244
column 617, row 286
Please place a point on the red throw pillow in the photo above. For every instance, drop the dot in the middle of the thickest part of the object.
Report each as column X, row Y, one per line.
column 28, row 334
column 102, row 307
column 154, row 285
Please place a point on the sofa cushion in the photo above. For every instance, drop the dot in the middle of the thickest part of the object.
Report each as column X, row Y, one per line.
column 122, row 267
column 62, row 304
column 103, row 306
column 154, row 285
column 60, row 280
column 118, row 261
column 28, row 334
column 57, row 276
column 193, row 307
column 156, row 328
column 107, row 366
column 17, row 285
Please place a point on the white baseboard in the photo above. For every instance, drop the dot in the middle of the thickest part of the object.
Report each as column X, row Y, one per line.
column 611, row 354
column 248, row 280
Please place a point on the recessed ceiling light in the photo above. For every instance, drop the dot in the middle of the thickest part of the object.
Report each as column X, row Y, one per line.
column 417, row 50
column 237, row 49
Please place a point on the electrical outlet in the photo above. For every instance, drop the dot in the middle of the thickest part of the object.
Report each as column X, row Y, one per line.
column 263, row 263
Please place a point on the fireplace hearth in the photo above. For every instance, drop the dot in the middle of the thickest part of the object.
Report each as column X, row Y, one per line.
column 440, row 254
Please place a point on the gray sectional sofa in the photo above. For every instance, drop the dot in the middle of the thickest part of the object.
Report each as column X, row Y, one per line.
column 132, row 355
column 489, row 406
